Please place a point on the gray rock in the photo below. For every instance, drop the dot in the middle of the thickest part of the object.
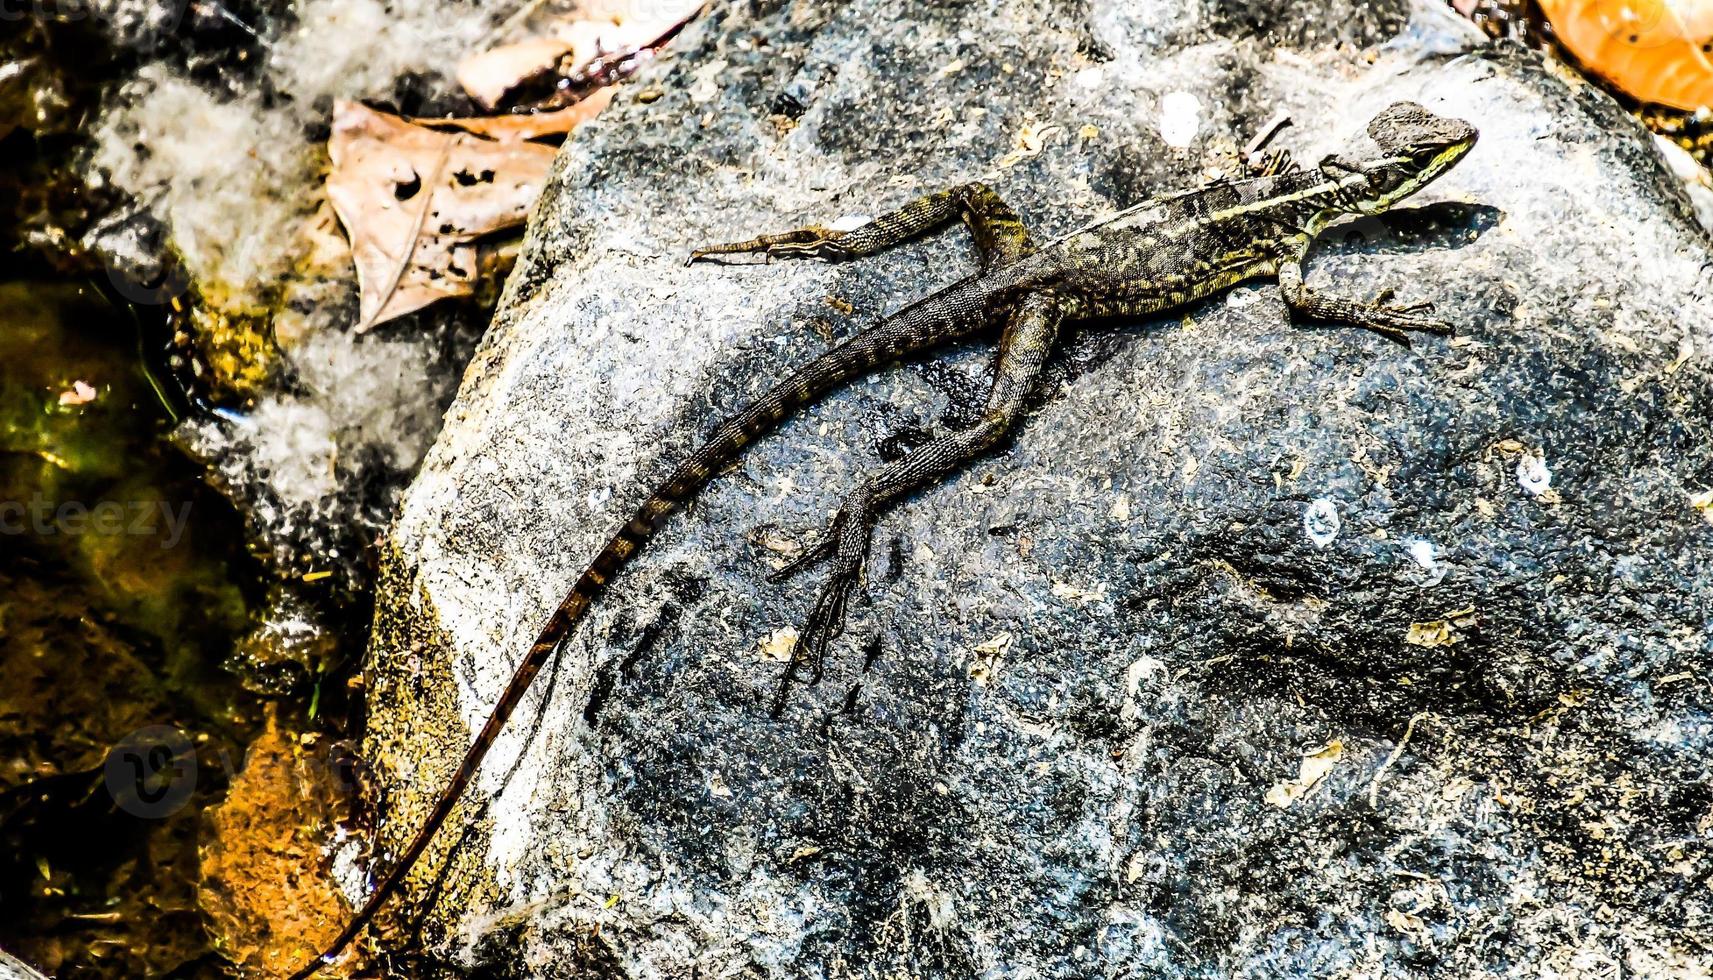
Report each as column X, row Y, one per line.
column 12, row 968
column 1068, row 733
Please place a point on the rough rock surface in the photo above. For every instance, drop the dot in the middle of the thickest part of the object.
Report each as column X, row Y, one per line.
column 1075, row 729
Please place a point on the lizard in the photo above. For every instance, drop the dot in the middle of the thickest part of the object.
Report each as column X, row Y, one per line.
column 1159, row 255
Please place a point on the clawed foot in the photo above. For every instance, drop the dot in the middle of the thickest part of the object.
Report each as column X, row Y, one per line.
column 824, row 547
column 813, row 241
column 826, row 619
column 1396, row 322
column 1384, row 301
column 825, row 622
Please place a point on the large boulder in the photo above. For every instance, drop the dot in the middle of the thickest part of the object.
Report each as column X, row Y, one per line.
column 1261, row 650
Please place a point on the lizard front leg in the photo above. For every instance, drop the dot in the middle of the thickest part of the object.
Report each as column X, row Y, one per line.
column 1382, row 318
column 1000, row 237
column 1030, row 330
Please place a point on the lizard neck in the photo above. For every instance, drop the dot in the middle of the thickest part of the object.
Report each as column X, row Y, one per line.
column 1305, row 199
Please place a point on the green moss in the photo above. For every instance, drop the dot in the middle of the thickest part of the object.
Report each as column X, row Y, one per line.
column 415, row 751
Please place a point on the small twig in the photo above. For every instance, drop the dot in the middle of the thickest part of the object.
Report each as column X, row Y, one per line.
column 1397, row 750
column 1265, row 136
column 609, row 68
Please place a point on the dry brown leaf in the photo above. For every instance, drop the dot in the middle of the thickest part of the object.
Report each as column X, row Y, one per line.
column 603, row 30
column 271, row 904
column 489, row 75
column 526, row 126
column 415, row 200
column 1313, row 768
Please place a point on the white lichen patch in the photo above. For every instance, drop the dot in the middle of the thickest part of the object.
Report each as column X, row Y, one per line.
column 1180, row 119
column 1321, row 522
column 348, row 870
column 1533, row 475
column 359, row 48
column 227, row 176
column 354, row 395
column 1426, row 556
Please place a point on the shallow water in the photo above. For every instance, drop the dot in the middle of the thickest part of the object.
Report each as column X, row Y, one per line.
column 124, row 588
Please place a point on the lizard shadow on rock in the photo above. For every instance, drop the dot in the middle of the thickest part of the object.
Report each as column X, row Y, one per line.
column 637, row 640
column 435, row 890
column 958, row 372
column 1431, row 227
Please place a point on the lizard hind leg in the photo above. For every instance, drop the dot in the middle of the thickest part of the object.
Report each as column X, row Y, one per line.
column 1028, row 339
column 1000, row 236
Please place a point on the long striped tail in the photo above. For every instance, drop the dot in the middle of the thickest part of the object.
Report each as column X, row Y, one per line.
column 935, row 320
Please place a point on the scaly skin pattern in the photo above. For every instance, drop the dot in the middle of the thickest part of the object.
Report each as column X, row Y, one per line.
column 1164, row 253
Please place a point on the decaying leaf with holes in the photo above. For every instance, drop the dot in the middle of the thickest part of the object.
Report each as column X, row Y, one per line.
column 417, row 202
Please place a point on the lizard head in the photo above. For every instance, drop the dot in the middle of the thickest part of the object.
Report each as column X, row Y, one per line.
column 1417, row 145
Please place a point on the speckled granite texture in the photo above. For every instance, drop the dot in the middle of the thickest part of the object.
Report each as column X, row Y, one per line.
column 1468, row 585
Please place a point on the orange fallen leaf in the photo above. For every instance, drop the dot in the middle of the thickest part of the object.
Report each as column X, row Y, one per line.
column 270, row 901
column 1659, row 51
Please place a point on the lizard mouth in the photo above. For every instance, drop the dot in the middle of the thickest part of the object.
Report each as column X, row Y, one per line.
column 1438, row 155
